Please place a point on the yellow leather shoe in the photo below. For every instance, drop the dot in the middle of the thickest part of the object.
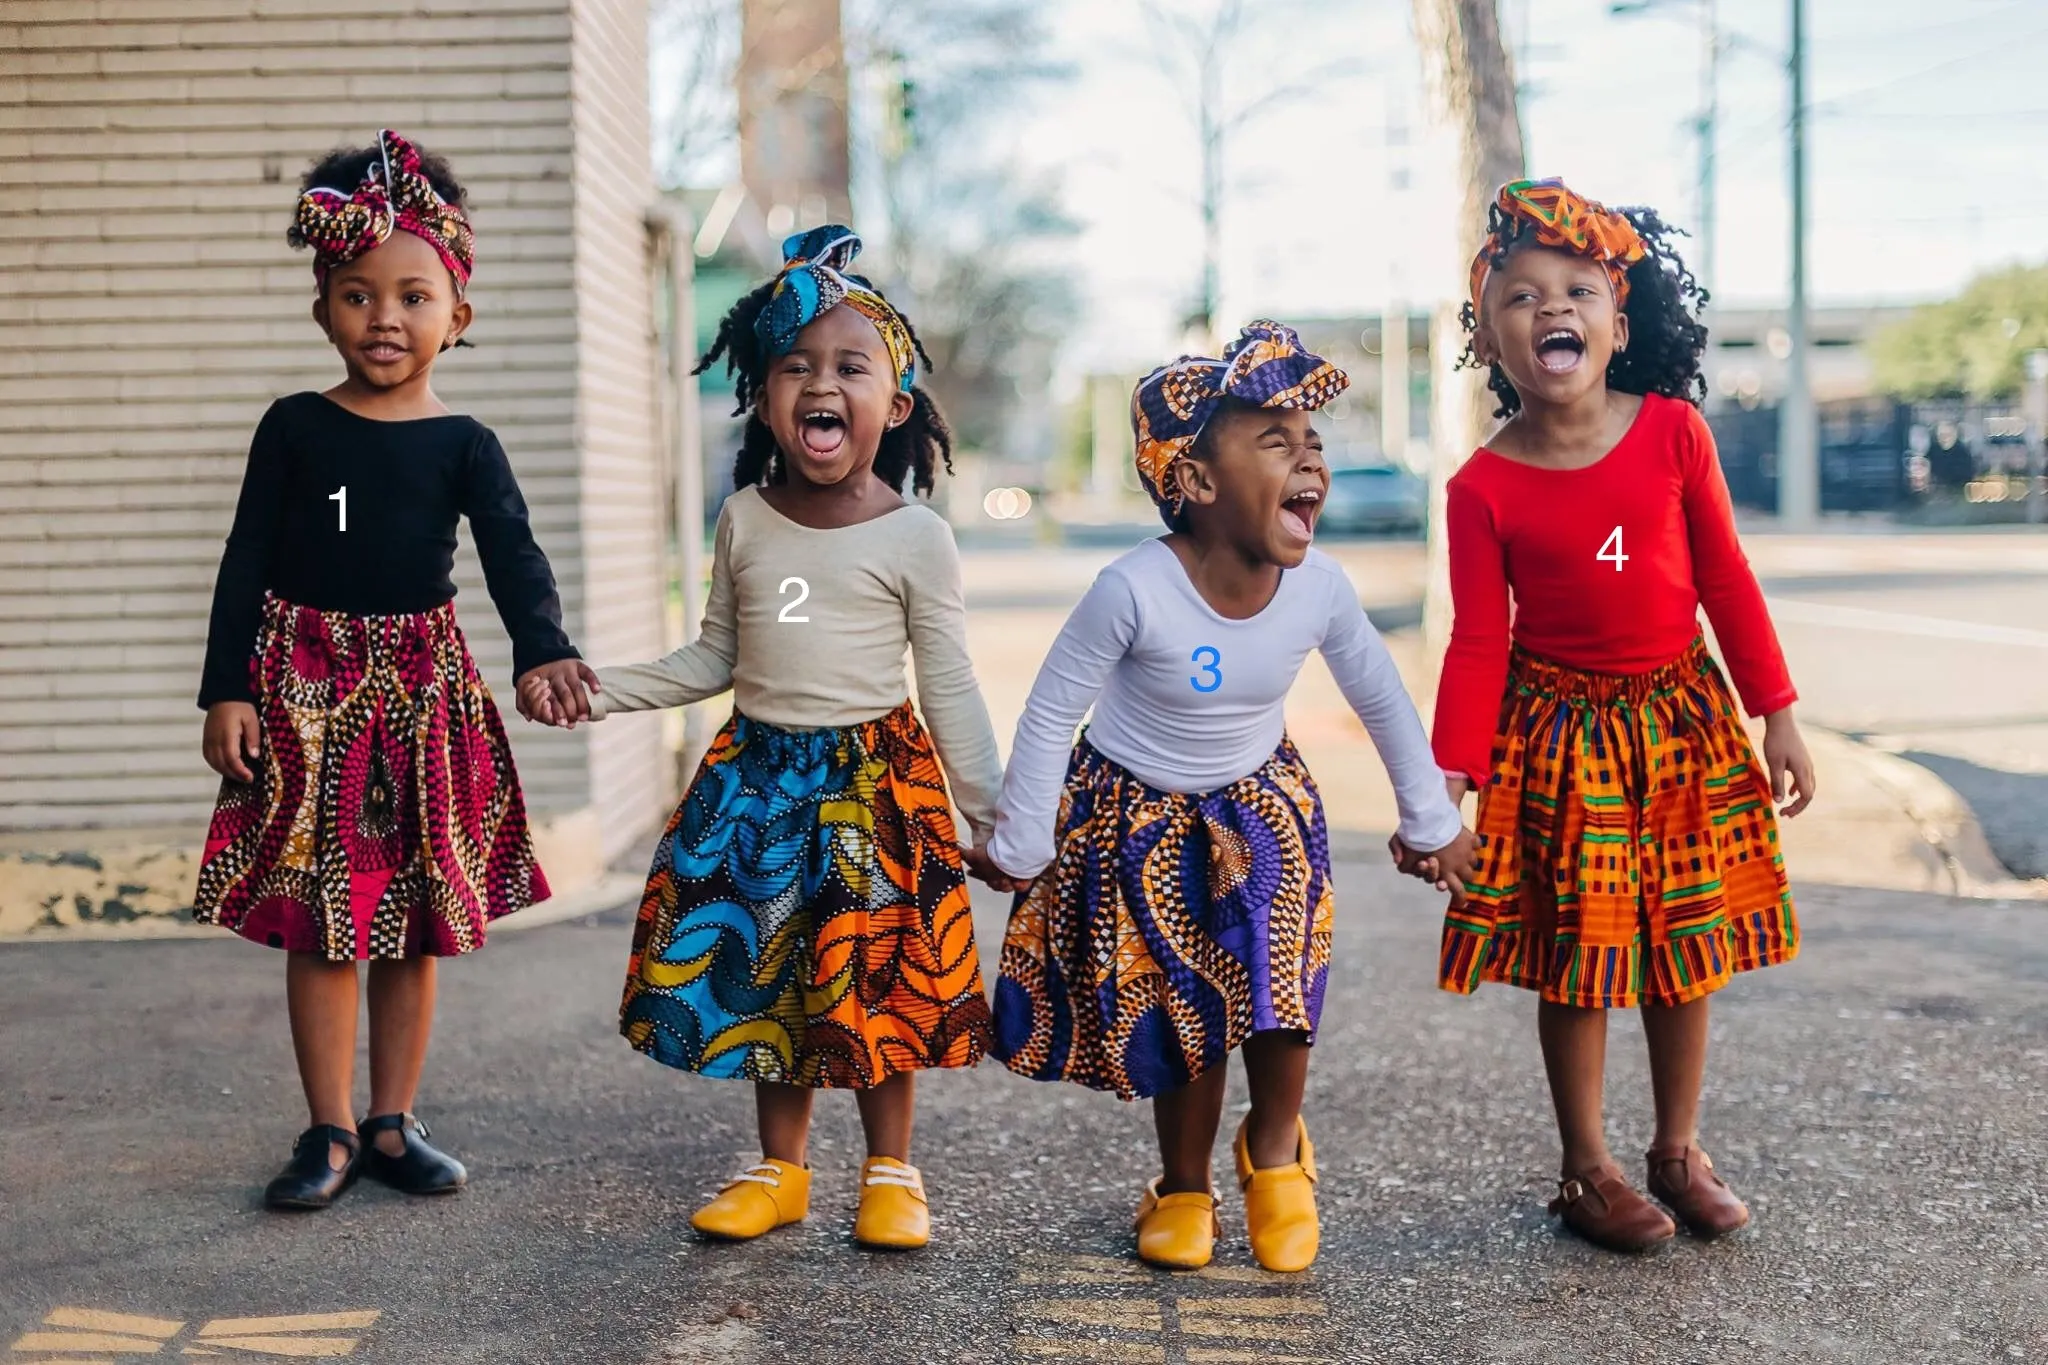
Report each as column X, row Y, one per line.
column 1280, row 1206
column 893, row 1215
column 760, row 1199
column 1177, row 1231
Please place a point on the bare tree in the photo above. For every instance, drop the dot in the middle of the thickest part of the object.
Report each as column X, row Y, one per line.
column 1195, row 54
column 697, row 49
column 1472, row 82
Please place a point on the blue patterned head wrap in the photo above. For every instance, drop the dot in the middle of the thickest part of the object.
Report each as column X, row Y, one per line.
column 814, row 280
column 1267, row 367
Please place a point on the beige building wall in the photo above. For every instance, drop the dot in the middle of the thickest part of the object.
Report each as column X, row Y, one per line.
column 150, row 309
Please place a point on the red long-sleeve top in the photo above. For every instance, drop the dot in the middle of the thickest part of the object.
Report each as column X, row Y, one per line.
column 1607, row 567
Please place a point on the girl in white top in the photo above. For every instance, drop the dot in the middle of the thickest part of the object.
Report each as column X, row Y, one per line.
column 806, row 922
column 1184, row 908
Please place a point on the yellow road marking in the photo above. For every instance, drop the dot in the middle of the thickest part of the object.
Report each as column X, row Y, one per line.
column 1249, row 1331
column 1249, row 1307
column 309, row 1322
column 1209, row 1355
column 88, row 1341
column 73, row 1360
column 289, row 1346
column 1091, row 1350
column 92, row 1320
column 1132, row 1315
column 1120, row 1270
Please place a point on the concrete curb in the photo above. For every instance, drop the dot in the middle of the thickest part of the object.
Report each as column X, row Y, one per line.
column 1945, row 823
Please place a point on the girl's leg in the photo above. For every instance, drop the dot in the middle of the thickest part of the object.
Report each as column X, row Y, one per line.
column 401, row 1021
column 1575, row 1057
column 320, row 997
column 886, row 1114
column 1276, row 1068
column 1677, row 1036
column 783, row 1113
column 1186, row 1121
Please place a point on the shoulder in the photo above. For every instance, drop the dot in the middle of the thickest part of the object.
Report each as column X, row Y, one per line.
column 1324, row 572
column 297, row 411
column 920, row 525
column 1672, row 417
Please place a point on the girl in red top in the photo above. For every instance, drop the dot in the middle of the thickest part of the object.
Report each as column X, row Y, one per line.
column 1629, row 844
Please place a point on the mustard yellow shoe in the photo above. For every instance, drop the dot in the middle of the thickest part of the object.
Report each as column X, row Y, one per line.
column 760, row 1199
column 893, row 1215
column 1280, row 1206
column 1177, row 1231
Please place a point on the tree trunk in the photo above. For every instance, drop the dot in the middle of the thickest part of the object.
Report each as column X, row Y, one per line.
column 1472, row 84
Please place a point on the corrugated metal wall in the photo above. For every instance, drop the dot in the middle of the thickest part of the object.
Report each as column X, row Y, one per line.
column 150, row 309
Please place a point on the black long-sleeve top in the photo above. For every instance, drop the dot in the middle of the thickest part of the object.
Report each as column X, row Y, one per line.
column 408, row 483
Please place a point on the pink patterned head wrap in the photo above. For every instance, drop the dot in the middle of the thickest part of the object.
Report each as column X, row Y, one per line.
column 340, row 226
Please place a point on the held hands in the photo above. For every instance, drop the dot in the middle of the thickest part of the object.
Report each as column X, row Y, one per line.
column 1449, row 867
column 551, row 694
column 233, row 739
column 983, row 869
column 1790, row 765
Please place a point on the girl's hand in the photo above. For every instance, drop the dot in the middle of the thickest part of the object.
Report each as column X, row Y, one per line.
column 1455, row 786
column 983, row 869
column 232, row 732
column 1790, row 765
column 552, row 695
column 1452, row 866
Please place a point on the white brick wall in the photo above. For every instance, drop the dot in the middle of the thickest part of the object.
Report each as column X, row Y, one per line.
column 150, row 309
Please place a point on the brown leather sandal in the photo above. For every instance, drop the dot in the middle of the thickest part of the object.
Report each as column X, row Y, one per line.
column 1600, row 1207
column 1685, row 1181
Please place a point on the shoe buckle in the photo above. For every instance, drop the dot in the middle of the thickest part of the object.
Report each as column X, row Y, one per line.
column 1571, row 1191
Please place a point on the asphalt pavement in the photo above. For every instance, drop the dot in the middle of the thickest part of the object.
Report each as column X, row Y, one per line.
column 1882, row 1102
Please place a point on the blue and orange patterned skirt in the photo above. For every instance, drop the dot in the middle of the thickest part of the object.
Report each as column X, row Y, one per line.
column 386, row 819
column 806, row 919
column 1628, row 844
column 1171, row 927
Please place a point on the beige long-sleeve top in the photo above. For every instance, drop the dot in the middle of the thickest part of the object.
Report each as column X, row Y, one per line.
column 809, row 629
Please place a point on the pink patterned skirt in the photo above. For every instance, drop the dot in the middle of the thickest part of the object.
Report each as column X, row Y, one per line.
column 386, row 819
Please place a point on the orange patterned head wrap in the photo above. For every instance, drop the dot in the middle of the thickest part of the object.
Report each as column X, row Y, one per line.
column 1558, row 218
column 395, row 194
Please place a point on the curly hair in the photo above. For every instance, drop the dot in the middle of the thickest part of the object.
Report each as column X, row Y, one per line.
column 916, row 449
column 1665, row 335
column 344, row 168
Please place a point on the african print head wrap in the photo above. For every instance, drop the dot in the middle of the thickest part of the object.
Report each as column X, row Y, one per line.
column 340, row 225
column 1266, row 366
column 1562, row 219
column 814, row 280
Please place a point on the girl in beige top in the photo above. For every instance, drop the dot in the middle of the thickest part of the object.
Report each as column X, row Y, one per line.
column 806, row 922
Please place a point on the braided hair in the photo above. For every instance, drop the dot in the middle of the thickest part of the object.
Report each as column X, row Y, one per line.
column 915, row 449
column 1665, row 335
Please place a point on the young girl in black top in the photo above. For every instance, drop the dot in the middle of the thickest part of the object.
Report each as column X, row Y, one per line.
column 370, row 809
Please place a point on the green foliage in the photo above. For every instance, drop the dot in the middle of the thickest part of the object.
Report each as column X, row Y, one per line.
column 1971, row 346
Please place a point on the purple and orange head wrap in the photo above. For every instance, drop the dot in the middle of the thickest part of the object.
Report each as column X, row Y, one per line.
column 1558, row 217
column 1267, row 367
column 395, row 195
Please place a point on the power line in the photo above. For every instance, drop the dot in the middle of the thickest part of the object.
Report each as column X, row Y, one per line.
column 2005, row 45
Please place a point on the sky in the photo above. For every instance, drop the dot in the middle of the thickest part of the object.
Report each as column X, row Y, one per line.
column 1926, row 145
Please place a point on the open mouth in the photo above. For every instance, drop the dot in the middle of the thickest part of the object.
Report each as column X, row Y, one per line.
column 1560, row 351
column 823, row 433
column 1298, row 513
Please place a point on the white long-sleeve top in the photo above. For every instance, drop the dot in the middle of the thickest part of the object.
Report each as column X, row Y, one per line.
column 809, row 627
column 1190, row 701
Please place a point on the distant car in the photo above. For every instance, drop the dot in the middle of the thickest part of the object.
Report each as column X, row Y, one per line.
column 1374, row 499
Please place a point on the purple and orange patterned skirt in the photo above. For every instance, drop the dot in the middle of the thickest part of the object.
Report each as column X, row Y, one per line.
column 386, row 819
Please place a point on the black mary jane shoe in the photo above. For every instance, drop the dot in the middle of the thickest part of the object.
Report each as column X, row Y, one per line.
column 424, row 1169
column 309, row 1180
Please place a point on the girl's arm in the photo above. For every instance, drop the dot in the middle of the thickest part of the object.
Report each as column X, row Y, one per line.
column 702, row 668
column 1725, row 582
column 935, row 613
column 1475, row 674
column 521, row 582
column 1366, row 674
column 1095, row 637
column 244, row 566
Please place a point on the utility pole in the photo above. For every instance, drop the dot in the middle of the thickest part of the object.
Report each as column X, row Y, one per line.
column 1798, row 428
column 2037, row 435
column 1710, row 116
